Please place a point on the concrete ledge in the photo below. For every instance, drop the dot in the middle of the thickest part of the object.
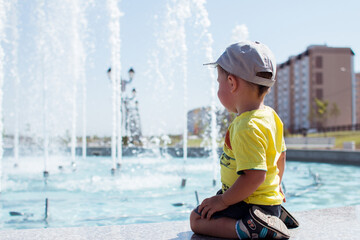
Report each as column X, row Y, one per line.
column 333, row 223
column 310, row 142
column 349, row 157
column 346, row 157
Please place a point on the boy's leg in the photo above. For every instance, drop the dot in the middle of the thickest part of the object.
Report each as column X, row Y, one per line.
column 256, row 224
column 217, row 227
column 222, row 224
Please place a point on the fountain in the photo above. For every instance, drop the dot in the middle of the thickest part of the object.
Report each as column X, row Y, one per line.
column 57, row 72
column 55, row 91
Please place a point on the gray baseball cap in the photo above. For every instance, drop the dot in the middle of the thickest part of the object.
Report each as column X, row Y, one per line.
column 246, row 59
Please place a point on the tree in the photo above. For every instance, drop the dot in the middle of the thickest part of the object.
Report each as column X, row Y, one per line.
column 334, row 111
column 320, row 113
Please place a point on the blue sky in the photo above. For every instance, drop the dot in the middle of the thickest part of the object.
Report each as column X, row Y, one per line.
column 287, row 27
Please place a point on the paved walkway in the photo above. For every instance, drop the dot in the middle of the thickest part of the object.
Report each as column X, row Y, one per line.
column 334, row 223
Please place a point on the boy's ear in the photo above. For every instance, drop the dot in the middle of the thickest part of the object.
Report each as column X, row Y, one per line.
column 233, row 82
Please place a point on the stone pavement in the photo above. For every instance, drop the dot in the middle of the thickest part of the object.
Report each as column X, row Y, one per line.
column 333, row 223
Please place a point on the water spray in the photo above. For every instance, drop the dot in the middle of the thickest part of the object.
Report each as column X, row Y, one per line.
column 203, row 21
column 15, row 74
column 114, row 27
column 2, row 56
column 183, row 5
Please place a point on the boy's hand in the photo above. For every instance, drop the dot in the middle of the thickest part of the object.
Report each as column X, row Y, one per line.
column 211, row 205
column 284, row 200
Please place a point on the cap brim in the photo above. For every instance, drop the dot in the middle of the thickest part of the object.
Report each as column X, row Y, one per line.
column 214, row 64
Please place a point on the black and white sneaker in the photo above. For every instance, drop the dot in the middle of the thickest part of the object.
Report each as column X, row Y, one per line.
column 288, row 219
column 261, row 225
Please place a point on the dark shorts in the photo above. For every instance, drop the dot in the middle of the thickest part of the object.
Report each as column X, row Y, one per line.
column 241, row 209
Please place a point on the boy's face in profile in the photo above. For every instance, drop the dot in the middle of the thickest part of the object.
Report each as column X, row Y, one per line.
column 225, row 90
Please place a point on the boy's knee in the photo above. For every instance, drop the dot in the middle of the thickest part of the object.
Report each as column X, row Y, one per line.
column 194, row 217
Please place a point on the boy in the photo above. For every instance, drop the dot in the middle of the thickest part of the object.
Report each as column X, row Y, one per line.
column 253, row 159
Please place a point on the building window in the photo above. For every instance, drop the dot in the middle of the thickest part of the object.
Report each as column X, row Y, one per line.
column 319, row 78
column 318, row 62
column 319, row 94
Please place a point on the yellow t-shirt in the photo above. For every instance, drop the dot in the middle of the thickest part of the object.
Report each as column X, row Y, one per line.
column 254, row 140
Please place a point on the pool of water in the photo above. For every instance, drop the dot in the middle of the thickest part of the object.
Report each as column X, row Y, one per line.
column 145, row 190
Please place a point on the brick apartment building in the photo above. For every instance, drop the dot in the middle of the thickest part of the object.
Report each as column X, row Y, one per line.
column 321, row 72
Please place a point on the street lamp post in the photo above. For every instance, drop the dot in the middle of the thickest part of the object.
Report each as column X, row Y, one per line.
column 123, row 83
column 120, row 104
column 122, row 113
